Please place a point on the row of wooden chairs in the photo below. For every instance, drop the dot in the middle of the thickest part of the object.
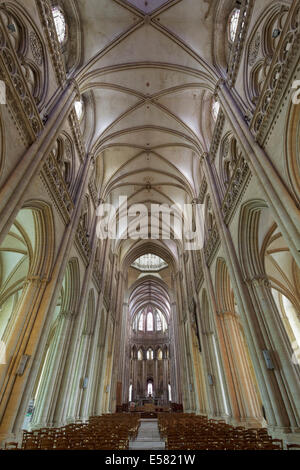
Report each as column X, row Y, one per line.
column 201, row 433
column 107, row 432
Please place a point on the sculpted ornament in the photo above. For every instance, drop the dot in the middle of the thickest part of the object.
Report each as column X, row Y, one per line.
column 36, row 48
column 254, row 49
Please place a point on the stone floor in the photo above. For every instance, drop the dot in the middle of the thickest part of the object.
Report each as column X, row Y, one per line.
column 148, row 437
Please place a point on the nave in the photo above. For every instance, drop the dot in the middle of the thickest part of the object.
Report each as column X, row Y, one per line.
column 167, row 431
column 149, row 223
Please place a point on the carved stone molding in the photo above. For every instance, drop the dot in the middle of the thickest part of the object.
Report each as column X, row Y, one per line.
column 52, row 178
column 283, row 62
column 36, row 48
column 83, row 243
column 216, row 139
column 93, row 192
column 211, row 245
column 237, row 186
column 258, row 281
column 238, row 47
column 45, row 12
column 202, row 192
column 77, row 135
column 254, row 49
column 21, row 104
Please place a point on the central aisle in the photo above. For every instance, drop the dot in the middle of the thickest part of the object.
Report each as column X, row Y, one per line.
column 148, row 437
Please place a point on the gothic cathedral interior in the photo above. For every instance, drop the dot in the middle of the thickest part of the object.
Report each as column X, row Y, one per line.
column 149, row 216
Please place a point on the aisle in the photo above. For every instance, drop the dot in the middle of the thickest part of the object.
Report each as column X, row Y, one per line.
column 148, row 437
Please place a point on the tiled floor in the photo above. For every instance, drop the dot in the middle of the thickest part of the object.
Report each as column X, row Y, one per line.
column 148, row 437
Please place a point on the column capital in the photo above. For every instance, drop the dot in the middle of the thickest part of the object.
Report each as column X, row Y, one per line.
column 67, row 313
column 36, row 280
column 258, row 281
column 227, row 313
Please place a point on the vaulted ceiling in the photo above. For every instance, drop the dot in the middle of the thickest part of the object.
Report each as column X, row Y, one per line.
column 149, row 66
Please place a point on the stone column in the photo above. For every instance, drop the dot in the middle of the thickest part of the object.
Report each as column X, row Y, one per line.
column 91, row 369
column 48, row 303
column 72, row 371
column 22, row 342
column 273, row 401
column 119, row 339
column 99, row 383
column 285, row 373
column 245, row 405
column 224, row 403
column 55, row 359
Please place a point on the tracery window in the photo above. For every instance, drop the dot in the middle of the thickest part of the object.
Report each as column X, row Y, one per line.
column 79, row 109
column 169, row 392
column 215, row 109
column 233, row 24
column 140, row 355
column 150, row 321
column 141, row 323
column 60, row 24
column 150, row 354
column 158, row 322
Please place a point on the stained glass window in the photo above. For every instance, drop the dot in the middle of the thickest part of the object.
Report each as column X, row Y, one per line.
column 150, row 321
column 140, row 355
column 79, row 109
column 150, row 354
column 158, row 322
column 215, row 109
column 141, row 323
column 60, row 24
column 233, row 24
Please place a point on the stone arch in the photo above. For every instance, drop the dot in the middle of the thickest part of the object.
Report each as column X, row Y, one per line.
column 72, row 48
column 25, row 254
column 260, row 49
column 251, row 262
column 221, row 12
column 270, row 271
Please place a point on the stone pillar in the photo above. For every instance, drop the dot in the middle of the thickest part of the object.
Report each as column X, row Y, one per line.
column 22, row 343
column 52, row 370
column 86, row 405
column 224, row 403
column 100, row 375
column 285, row 373
column 72, row 370
column 119, row 339
column 38, row 336
column 274, row 402
column 245, row 405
